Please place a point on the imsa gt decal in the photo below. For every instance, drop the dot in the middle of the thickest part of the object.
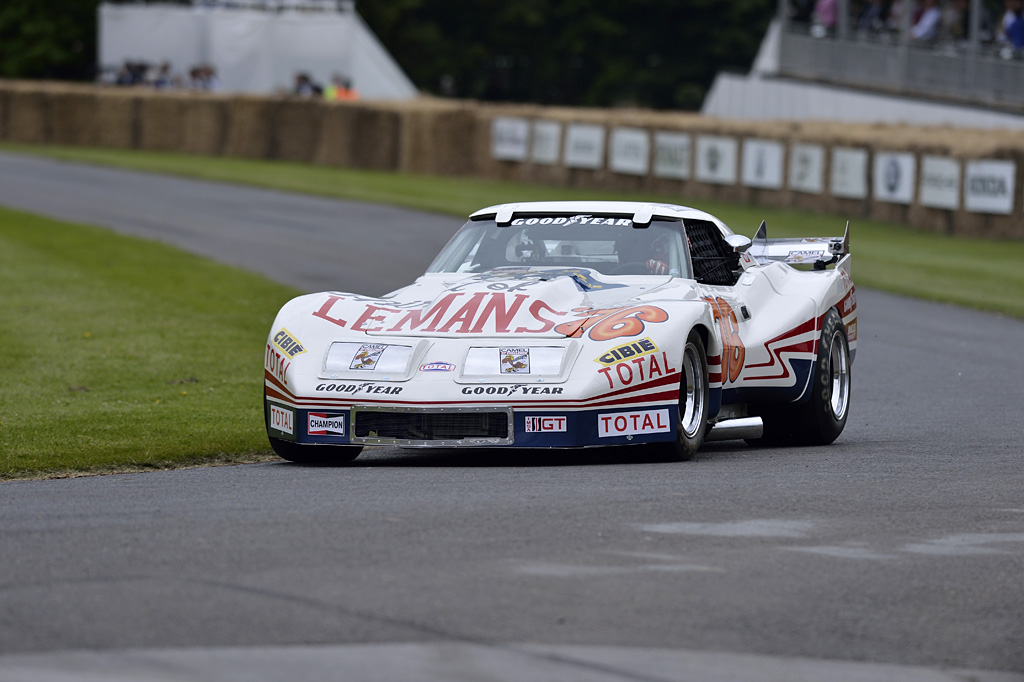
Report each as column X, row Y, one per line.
column 538, row 424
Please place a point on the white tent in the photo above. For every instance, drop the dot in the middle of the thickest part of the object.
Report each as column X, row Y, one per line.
column 257, row 48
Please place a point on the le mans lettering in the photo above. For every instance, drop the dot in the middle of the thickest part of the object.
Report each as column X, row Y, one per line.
column 477, row 312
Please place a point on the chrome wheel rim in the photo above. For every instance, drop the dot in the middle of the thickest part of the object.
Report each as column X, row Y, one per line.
column 692, row 406
column 839, row 369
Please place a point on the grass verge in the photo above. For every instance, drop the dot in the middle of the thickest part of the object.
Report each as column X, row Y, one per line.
column 970, row 272
column 121, row 354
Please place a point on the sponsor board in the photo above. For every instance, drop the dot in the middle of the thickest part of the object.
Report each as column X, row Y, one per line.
column 762, row 163
column 989, row 186
column 940, row 183
column 282, row 419
column 893, row 177
column 437, row 367
column 627, row 352
column 509, row 138
column 716, row 159
column 584, row 146
column 541, row 424
column 672, row 155
column 630, row 150
column 849, row 173
column 287, row 342
column 514, row 360
column 807, row 168
column 547, row 141
column 325, row 424
column 632, row 423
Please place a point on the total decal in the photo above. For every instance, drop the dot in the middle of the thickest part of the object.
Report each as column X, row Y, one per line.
column 493, row 312
column 634, row 363
column 277, row 364
column 633, row 423
column 545, row 424
column 282, row 420
column 325, row 424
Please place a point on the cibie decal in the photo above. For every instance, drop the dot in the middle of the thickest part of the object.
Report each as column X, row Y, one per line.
column 515, row 360
column 630, row 350
column 631, row 423
column 287, row 342
column 282, row 420
column 612, row 323
column 537, row 424
column 437, row 367
column 367, row 356
column 325, row 424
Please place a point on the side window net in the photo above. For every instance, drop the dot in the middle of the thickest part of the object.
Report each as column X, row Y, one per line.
column 714, row 261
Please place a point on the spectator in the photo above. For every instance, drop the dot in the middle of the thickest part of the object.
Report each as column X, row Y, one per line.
column 825, row 14
column 203, row 77
column 306, row 87
column 872, row 19
column 926, row 28
column 164, row 80
column 1011, row 15
column 340, row 90
column 958, row 22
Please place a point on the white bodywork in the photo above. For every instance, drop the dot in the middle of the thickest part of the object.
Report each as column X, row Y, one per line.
column 561, row 356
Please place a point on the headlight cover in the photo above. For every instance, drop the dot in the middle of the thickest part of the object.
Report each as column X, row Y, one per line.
column 516, row 362
column 373, row 359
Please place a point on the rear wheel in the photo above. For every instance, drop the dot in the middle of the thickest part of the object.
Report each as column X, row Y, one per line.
column 693, row 403
column 821, row 419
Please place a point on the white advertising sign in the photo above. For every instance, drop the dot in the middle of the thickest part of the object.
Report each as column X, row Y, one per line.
column 509, row 138
column 849, row 173
column 940, row 182
column 630, row 150
column 762, row 163
column 547, row 141
column 894, row 177
column 672, row 155
column 989, row 186
column 716, row 159
column 807, row 168
column 584, row 146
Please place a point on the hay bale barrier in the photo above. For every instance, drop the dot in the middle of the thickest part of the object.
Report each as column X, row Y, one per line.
column 940, row 179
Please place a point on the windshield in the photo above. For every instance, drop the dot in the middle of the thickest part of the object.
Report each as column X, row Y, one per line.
column 610, row 246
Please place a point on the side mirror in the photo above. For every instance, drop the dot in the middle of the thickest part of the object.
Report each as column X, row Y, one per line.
column 738, row 242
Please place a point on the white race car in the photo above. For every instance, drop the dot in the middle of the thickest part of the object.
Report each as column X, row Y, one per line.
column 575, row 324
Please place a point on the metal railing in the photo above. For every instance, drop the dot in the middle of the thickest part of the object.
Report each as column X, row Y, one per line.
column 970, row 71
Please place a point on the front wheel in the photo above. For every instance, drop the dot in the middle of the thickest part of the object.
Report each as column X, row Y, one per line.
column 821, row 419
column 693, row 402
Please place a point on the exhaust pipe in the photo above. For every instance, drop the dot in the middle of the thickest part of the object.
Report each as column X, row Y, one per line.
column 736, row 429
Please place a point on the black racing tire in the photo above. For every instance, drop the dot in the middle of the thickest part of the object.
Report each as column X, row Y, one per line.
column 694, row 398
column 314, row 454
column 820, row 419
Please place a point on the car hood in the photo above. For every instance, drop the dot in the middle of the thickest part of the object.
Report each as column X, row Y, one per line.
column 542, row 303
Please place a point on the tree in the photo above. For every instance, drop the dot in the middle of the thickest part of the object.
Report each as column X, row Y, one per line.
column 51, row 39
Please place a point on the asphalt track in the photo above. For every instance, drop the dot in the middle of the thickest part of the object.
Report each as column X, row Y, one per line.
column 897, row 553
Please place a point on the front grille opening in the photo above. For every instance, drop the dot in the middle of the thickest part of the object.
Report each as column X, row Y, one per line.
column 431, row 426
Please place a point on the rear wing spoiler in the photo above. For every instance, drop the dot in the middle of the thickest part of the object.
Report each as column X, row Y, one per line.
column 817, row 251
